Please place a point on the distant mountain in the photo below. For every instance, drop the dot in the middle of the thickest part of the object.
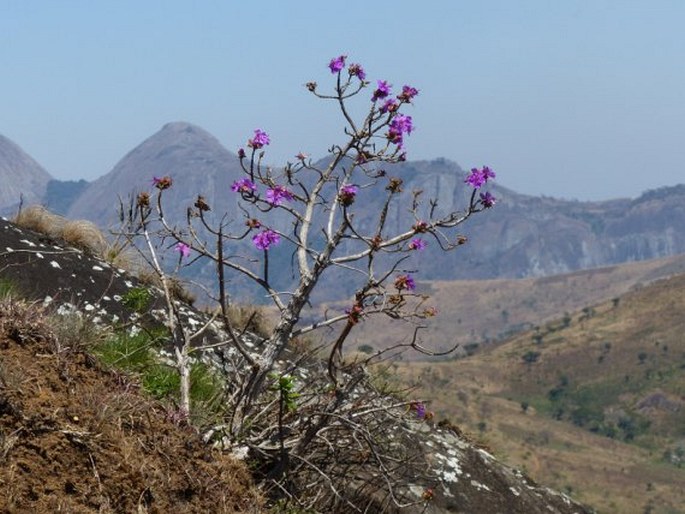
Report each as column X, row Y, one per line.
column 21, row 177
column 523, row 236
column 192, row 157
column 60, row 194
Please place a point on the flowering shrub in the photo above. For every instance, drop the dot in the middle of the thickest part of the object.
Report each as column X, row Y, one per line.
column 315, row 211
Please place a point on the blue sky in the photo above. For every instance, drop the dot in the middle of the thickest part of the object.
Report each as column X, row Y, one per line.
column 575, row 99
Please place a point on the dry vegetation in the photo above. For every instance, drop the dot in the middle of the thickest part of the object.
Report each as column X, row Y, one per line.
column 76, row 438
column 478, row 311
column 592, row 403
column 81, row 234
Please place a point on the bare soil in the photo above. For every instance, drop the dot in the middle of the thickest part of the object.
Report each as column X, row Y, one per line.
column 77, row 438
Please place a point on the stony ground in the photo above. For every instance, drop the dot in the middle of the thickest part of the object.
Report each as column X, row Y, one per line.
column 77, row 438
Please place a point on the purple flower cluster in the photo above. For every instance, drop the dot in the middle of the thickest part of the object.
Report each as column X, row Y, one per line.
column 162, row 183
column 487, row 200
column 389, row 105
column 347, row 194
column 183, row 249
column 277, row 194
column 356, row 70
column 265, row 239
column 407, row 94
column 405, row 282
column 337, row 63
column 382, row 90
column 418, row 244
column 244, row 185
column 479, row 177
column 259, row 140
column 399, row 126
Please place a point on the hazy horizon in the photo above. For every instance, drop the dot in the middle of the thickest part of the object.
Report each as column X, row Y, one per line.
column 573, row 100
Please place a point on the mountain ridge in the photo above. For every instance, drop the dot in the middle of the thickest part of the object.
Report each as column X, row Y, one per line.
column 523, row 236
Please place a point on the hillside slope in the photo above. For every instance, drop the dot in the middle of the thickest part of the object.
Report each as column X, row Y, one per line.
column 596, row 401
column 473, row 313
column 77, row 438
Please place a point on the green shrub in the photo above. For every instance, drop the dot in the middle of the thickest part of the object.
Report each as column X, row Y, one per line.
column 137, row 299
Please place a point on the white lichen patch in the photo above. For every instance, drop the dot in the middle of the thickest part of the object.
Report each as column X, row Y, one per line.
column 8, row 249
column 449, row 476
column 88, row 307
column 128, row 283
column 39, row 255
column 47, row 300
column 67, row 308
column 97, row 268
column 480, row 486
column 28, row 243
column 515, row 491
column 55, row 264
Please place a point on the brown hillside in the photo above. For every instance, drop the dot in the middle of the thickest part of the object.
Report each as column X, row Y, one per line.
column 595, row 402
column 485, row 311
column 75, row 438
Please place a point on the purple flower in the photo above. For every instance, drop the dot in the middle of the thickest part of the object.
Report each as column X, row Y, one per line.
column 418, row 244
column 420, row 409
column 405, row 282
column 354, row 314
column 487, row 200
column 162, row 183
column 399, row 126
column 347, row 194
column 337, row 63
column 407, row 94
column 244, row 185
column 389, row 106
column 357, row 70
column 382, row 90
column 241, row 153
column 183, row 249
column 479, row 177
column 259, row 140
column 265, row 239
column 277, row 194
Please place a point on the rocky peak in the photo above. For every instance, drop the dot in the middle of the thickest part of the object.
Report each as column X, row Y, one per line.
column 191, row 156
column 20, row 176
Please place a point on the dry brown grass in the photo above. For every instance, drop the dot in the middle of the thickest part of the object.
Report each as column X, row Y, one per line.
column 76, row 438
column 86, row 236
column 39, row 219
column 81, row 234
